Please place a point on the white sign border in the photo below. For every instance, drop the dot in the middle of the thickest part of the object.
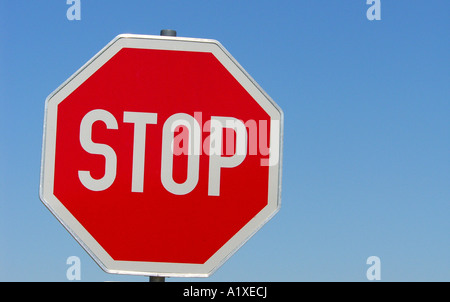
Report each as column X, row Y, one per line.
column 94, row 249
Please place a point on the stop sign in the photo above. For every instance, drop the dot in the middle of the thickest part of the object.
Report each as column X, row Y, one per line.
column 161, row 156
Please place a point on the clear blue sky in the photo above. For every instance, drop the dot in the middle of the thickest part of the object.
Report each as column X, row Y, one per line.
column 366, row 168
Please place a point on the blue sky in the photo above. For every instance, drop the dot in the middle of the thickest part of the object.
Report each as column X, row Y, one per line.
column 366, row 167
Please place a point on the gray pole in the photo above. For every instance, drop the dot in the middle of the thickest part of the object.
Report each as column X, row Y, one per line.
column 157, row 279
column 170, row 33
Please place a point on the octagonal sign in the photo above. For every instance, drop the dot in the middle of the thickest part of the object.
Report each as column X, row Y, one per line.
column 161, row 156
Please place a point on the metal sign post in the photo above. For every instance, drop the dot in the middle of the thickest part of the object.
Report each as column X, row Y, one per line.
column 170, row 33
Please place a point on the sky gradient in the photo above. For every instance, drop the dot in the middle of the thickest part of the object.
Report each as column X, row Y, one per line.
column 366, row 167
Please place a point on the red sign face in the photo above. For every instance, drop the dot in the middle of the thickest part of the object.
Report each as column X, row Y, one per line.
column 161, row 156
